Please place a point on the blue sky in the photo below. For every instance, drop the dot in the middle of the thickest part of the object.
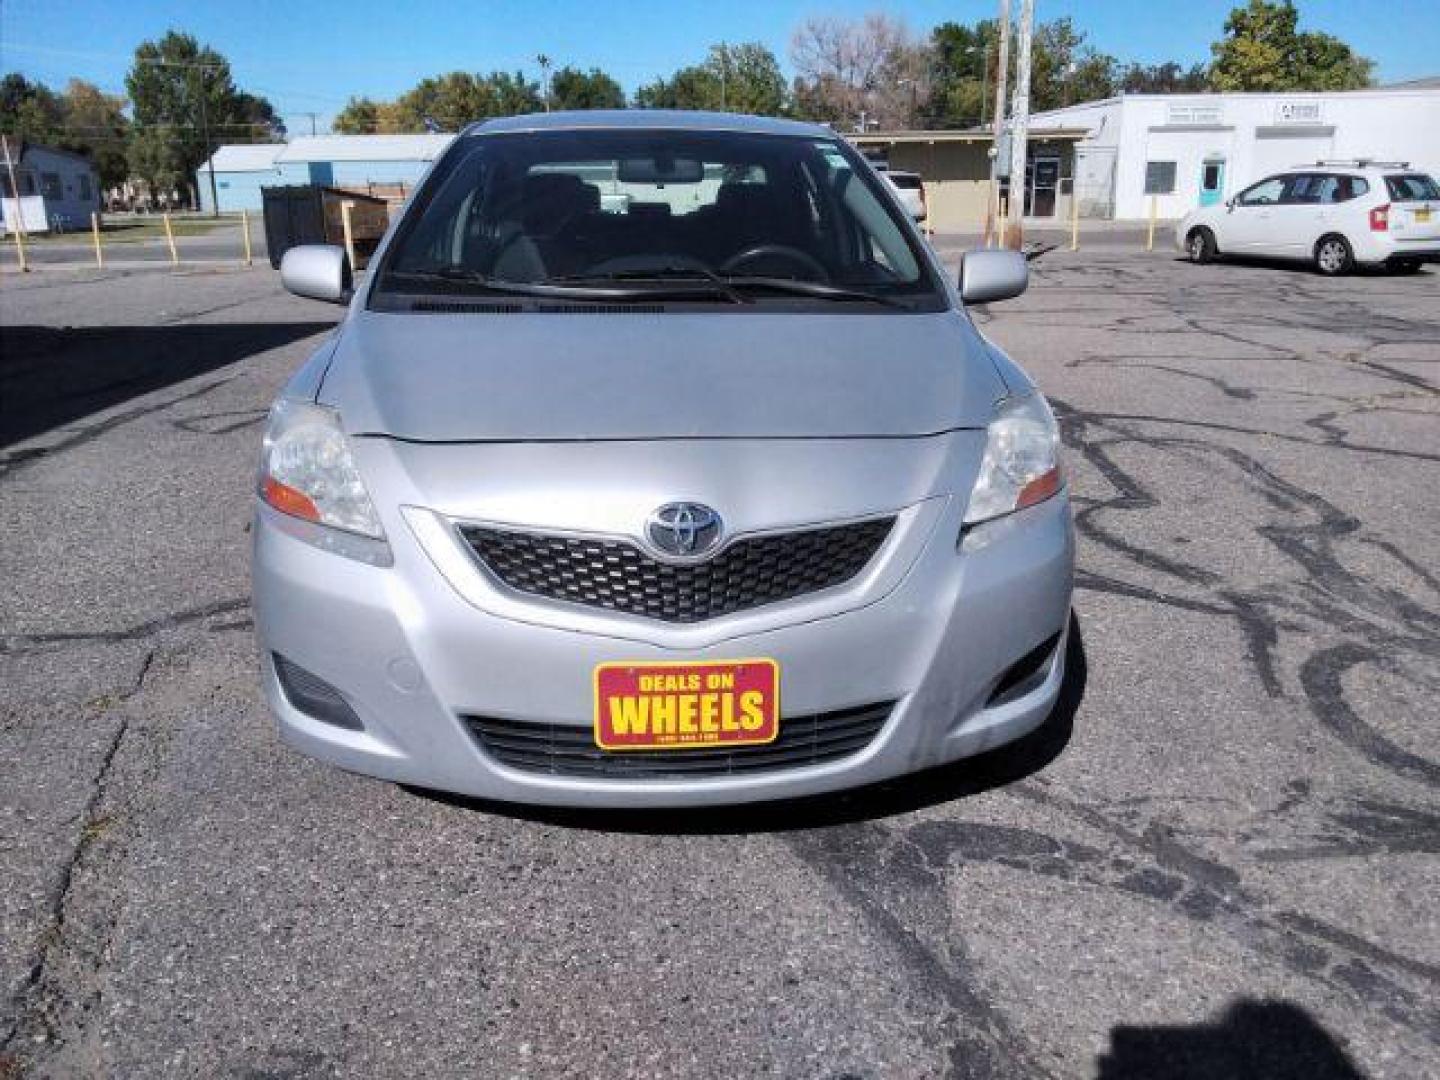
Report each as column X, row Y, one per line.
column 310, row 56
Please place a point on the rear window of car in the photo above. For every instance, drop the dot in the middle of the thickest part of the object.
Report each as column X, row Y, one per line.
column 1412, row 187
column 908, row 181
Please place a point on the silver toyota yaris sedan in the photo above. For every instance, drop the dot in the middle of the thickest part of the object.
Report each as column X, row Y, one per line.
column 657, row 462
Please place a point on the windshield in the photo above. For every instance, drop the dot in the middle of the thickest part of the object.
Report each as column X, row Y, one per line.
column 560, row 209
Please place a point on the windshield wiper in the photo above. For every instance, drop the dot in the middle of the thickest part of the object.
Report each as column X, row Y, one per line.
column 818, row 289
column 551, row 287
column 663, row 275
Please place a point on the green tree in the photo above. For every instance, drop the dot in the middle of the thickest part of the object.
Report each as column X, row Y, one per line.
column 571, row 88
column 736, row 78
column 360, row 116
column 963, row 65
column 29, row 111
column 1166, row 78
column 694, row 87
column 451, row 101
column 1263, row 49
column 752, row 78
column 1066, row 70
column 95, row 126
column 82, row 119
column 181, row 91
column 154, row 156
column 259, row 116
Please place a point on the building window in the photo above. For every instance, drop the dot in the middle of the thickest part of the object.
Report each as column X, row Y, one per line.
column 85, row 186
column 1159, row 177
column 50, row 185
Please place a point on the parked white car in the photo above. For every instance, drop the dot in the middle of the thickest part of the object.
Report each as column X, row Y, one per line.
column 911, row 190
column 1336, row 214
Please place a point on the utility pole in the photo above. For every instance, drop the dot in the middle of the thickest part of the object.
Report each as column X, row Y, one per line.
column 1020, row 123
column 724, row 70
column 984, row 80
column 313, row 117
column 209, row 151
column 1002, row 28
column 544, row 62
column 19, row 223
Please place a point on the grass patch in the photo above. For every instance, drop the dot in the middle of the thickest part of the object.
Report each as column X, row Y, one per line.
column 135, row 230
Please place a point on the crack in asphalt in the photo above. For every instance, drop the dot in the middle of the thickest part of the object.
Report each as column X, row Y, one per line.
column 862, row 865
column 1329, row 595
column 22, row 644
column 35, row 1010
column 199, row 424
column 1209, row 891
column 13, row 462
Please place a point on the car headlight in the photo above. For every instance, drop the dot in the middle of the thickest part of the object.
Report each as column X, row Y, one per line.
column 308, row 472
column 1021, row 466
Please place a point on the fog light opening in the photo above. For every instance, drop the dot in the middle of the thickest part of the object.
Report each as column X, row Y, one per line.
column 313, row 696
column 1025, row 674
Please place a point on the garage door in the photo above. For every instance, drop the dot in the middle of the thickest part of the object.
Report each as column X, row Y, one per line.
column 1276, row 152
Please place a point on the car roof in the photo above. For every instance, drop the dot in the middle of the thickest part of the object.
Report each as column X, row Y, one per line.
column 651, row 119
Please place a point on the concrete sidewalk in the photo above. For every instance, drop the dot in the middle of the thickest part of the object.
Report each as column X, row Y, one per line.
column 1109, row 235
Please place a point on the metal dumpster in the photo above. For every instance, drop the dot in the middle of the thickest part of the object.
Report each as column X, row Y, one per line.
column 298, row 214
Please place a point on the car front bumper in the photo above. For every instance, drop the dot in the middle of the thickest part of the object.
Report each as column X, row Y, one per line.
column 412, row 654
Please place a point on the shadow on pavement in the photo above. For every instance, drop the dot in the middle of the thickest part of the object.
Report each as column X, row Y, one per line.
column 1307, row 268
column 1254, row 1040
column 51, row 376
column 969, row 776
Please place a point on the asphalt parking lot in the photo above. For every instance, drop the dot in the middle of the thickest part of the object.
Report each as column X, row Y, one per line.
column 1220, row 858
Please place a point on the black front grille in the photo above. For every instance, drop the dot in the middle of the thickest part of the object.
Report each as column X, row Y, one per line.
column 571, row 751
column 618, row 576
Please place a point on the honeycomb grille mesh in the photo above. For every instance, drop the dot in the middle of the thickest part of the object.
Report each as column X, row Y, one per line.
column 616, row 575
column 571, row 751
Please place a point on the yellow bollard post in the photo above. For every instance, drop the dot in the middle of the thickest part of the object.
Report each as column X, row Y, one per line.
column 349, row 231
column 20, row 248
column 170, row 239
column 1074, row 219
column 1150, row 234
column 245, row 231
column 95, row 232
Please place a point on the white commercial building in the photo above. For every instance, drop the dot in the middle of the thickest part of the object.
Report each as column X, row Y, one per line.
column 1189, row 150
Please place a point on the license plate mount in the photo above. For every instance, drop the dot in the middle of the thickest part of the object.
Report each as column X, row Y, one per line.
column 680, row 705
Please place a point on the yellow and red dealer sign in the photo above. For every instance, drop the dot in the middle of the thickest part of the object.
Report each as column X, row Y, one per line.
column 685, row 706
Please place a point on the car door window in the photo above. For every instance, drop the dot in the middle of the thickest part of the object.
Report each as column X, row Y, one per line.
column 1305, row 189
column 1265, row 193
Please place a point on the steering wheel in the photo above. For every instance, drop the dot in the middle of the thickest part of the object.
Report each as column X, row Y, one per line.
column 783, row 251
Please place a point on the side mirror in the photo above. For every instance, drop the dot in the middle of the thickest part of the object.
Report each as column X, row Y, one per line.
column 987, row 276
column 1230, row 203
column 317, row 271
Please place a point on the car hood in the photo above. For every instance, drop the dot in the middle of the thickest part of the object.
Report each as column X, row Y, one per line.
column 593, row 375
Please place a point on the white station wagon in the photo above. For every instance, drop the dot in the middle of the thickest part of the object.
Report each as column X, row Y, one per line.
column 1335, row 214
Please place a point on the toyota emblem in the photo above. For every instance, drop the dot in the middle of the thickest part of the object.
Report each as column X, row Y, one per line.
column 683, row 529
